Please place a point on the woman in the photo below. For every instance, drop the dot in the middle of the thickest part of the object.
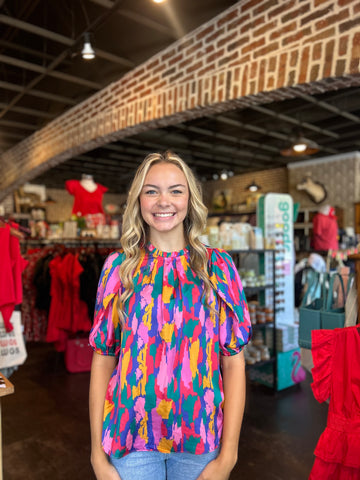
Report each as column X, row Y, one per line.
column 170, row 323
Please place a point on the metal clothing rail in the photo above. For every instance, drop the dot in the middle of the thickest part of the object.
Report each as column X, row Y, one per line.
column 71, row 242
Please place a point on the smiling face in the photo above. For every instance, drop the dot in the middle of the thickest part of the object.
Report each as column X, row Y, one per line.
column 164, row 201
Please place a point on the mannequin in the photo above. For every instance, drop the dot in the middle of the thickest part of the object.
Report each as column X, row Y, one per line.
column 87, row 194
column 87, row 182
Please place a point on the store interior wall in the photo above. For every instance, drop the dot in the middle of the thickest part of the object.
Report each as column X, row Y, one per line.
column 60, row 210
column 340, row 176
column 274, row 180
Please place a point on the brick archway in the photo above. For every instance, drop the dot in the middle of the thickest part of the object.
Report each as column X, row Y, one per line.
column 254, row 52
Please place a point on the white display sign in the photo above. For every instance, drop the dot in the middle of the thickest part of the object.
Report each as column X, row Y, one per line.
column 275, row 217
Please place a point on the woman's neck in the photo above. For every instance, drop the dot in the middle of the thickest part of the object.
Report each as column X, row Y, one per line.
column 168, row 244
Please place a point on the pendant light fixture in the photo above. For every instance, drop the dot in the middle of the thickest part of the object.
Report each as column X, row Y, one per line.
column 253, row 187
column 300, row 146
column 88, row 53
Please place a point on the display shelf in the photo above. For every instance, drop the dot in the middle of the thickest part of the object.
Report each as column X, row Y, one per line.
column 259, row 326
column 264, row 257
column 252, row 250
column 262, row 363
column 232, row 214
column 254, row 290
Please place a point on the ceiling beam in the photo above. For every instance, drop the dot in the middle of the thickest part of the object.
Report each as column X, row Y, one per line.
column 181, row 141
column 62, row 56
column 16, row 62
column 30, row 51
column 330, row 108
column 17, row 136
column 136, row 17
column 24, row 126
column 56, row 37
column 210, row 156
column 293, row 121
column 264, row 131
column 226, row 138
column 37, row 93
column 29, row 111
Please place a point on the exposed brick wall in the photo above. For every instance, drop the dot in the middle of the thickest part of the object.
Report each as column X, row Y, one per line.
column 274, row 180
column 257, row 51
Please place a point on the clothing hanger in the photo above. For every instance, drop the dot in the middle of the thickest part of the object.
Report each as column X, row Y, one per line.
column 14, row 231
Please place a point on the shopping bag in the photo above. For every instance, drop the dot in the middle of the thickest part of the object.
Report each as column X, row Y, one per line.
column 12, row 345
column 78, row 355
column 310, row 307
column 333, row 316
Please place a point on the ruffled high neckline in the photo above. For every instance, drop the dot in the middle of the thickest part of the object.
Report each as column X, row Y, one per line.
column 156, row 252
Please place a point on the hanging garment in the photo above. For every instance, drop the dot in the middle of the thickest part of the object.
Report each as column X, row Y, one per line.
column 12, row 266
column 80, row 315
column 85, row 202
column 336, row 374
column 89, row 278
column 34, row 319
column 325, row 232
column 54, row 333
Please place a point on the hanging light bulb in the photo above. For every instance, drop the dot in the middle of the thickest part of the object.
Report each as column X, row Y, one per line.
column 224, row 176
column 253, row 187
column 159, row 1
column 300, row 145
column 87, row 52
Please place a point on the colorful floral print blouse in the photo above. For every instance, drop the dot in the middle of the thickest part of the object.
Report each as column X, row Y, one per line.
column 166, row 392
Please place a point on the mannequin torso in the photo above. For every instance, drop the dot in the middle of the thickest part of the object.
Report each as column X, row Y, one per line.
column 88, row 183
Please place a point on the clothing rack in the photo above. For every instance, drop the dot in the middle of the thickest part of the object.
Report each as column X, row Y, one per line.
column 71, row 242
column 16, row 229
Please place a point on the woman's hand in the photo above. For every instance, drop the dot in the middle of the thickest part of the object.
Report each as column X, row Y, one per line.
column 104, row 470
column 217, row 469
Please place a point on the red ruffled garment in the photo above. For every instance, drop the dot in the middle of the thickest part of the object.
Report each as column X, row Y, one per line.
column 11, row 269
column 336, row 374
column 85, row 202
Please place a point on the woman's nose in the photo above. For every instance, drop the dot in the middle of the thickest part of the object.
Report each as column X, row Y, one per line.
column 163, row 199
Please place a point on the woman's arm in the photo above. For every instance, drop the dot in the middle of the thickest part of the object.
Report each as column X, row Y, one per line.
column 233, row 373
column 101, row 370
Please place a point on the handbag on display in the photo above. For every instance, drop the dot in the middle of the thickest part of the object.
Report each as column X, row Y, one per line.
column 311, row 305
column 12, row 345
column 78, row 355
column 333, row 316
column 324, row 311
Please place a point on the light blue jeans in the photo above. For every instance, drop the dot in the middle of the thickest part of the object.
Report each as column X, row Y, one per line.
column 162, row 466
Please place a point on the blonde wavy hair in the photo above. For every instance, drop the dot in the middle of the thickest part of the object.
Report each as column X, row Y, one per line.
column 135, row 233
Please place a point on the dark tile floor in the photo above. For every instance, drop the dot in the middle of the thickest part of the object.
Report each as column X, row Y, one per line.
column 46, row 432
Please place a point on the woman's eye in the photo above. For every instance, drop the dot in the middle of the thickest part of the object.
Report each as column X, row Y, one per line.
column 177, row 192
column 150, row 192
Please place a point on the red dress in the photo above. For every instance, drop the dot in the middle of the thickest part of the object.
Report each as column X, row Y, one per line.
column 336, row 374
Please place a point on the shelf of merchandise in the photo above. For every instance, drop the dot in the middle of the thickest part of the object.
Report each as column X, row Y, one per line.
column 259, row 291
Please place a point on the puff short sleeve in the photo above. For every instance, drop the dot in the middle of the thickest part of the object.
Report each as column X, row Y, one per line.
column 235, row 326
column 322, row 353
column 105, row 335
